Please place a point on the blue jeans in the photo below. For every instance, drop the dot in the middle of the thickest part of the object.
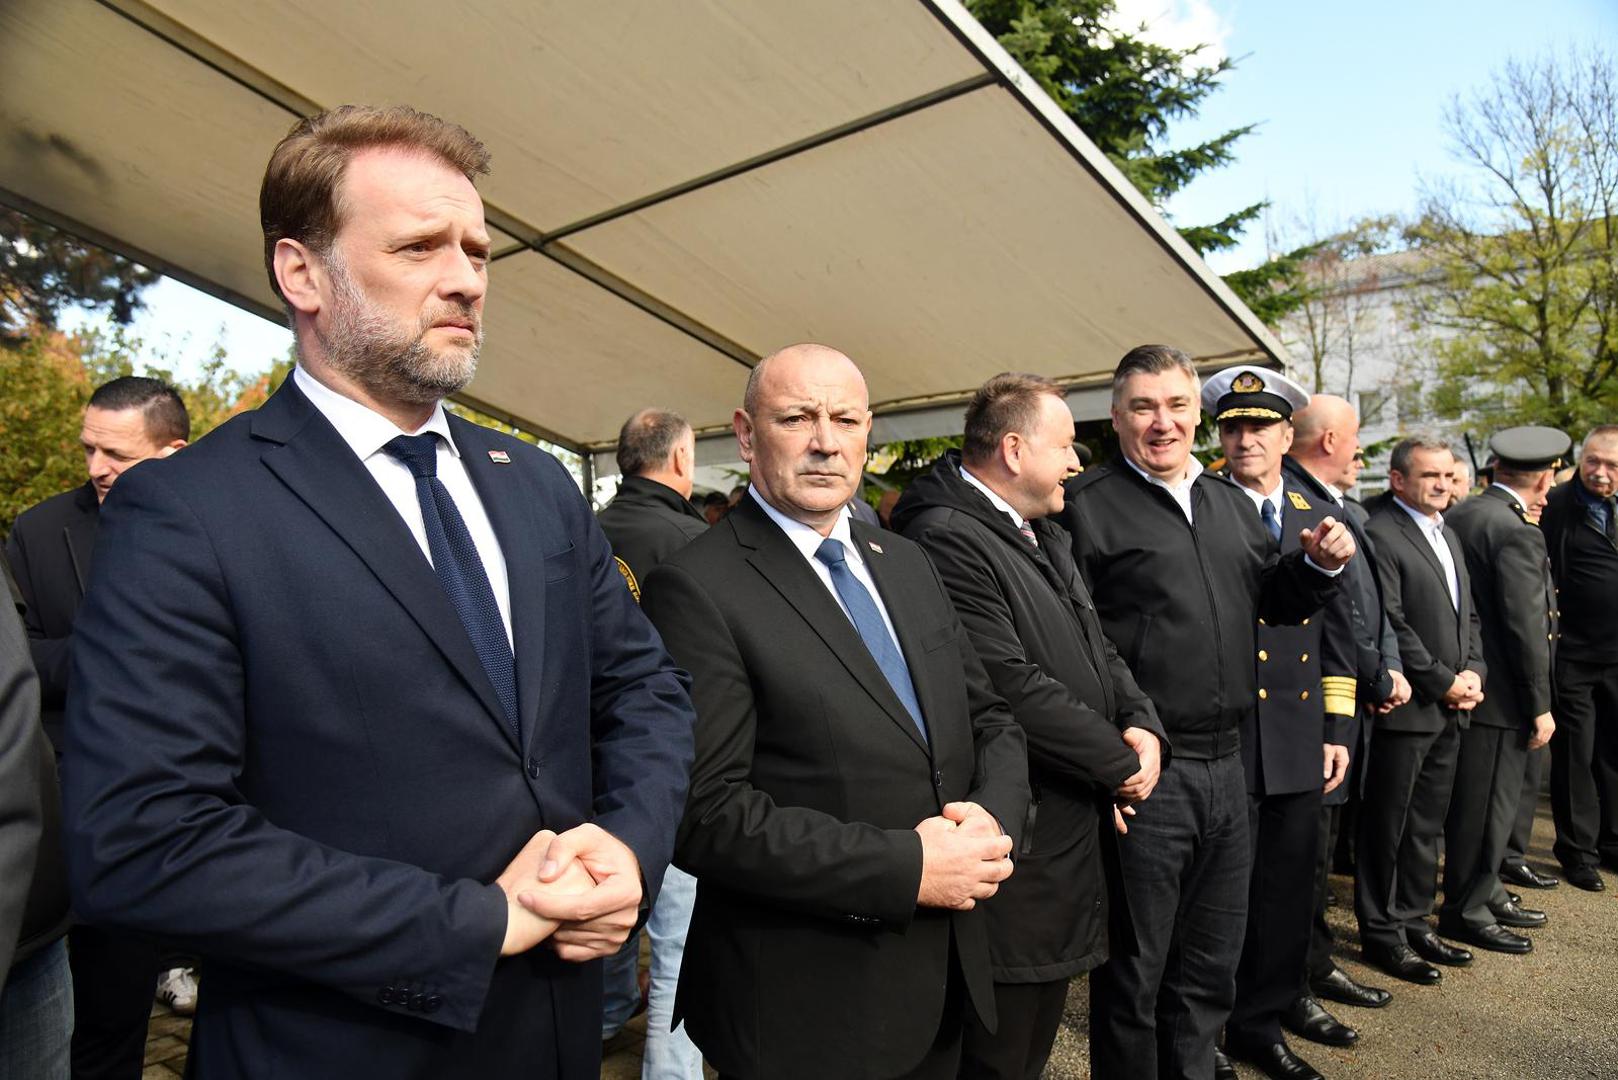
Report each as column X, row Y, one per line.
column 1186, row 864
column 36, row 1017
column 620, row 979
column 670, row 1055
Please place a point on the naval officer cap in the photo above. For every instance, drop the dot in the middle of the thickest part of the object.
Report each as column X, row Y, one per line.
column 1530, row 448
column 1245, row 392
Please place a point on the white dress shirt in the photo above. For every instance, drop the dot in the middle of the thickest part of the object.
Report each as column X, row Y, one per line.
column 1273, row 498
column 367, row 431
column 996, row 501
column 807, row 540
column 1433, row 529
column 1180, row 492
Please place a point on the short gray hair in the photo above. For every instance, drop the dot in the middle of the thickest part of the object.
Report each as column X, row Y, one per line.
column 1399, row 462
column 1150, row 360
column 647, row 439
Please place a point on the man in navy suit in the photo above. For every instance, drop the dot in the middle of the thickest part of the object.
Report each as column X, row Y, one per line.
column 361, row 711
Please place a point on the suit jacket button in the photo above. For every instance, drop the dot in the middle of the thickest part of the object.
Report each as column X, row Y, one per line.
column 1263, row 654
column 432, row 1004
column 1304, row 696
column 938, row 779
column 385, row 995
column 1304, row 659
column 418, row 1002
column 1263, row 693
column 533, row 768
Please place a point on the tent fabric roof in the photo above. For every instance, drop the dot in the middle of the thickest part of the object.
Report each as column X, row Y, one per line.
column 678, row 189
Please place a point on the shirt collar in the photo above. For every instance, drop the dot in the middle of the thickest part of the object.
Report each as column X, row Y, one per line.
column 1436, row 521
column 805, row 537
column 999, row 503
column 1261, row 497
column 1513, row 493
column 365, row 430
column 1193, row 469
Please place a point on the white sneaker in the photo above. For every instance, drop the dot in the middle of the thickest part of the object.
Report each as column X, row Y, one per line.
column 177, row 988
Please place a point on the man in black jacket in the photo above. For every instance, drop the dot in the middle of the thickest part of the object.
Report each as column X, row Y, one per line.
column 1581, row 531
column 1427, row 594
column 1294, row 742
column 1181, row 570
column 982, row 515
column 1516, row 605
column 650, row 519
column 1324, row 462
column 127, row 421
column 36, row 989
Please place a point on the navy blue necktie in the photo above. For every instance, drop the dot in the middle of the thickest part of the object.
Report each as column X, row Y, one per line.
column 1272, row 521
column 459, row 569
column 872, row 630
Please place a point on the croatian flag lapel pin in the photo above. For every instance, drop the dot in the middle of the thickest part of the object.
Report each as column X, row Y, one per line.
column 876, row 547
column 499, row 457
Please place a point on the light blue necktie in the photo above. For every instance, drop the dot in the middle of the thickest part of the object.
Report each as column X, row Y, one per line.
column 872, row 630
column 1272, row 521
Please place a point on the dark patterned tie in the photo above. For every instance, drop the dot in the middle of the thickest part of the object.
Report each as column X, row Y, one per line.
column 1272, row 520
column 872, row 630
column 1027, row 531
column 459, row 569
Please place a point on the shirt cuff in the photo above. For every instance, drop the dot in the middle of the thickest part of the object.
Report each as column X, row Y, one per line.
column 1322, row 569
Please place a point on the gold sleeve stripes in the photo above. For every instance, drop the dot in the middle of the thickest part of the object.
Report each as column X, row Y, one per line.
column 1338, row 691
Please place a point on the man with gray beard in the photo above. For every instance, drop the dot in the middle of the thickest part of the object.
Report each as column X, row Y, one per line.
column 361, row 710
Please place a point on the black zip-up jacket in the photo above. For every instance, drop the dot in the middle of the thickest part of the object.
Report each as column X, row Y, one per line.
column 1181, row 601
column 1585, row 564
column 645, row 523
column 1034, row 626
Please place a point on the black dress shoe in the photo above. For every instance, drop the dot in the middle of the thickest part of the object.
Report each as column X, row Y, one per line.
column 1223, row 1069
column 1587, row 878
column 1493, row 937
column 1401, row 962
column 1306, row 1019
column 1338, row 987
column 1526, row 876
column 1513, row 914
column 1426, row 943
column 1275, row 1060
column 1515, row 898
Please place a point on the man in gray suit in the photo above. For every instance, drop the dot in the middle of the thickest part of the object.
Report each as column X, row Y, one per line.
column 1426, row 593
column 1516, row 604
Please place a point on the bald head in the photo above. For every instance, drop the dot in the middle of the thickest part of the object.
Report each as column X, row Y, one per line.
column 802, row 428
column 1326, row 435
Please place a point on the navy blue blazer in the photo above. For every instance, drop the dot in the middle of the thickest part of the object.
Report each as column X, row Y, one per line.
column 285, row 756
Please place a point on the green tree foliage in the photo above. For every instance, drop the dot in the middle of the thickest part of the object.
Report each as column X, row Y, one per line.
column 43, row 388
column 1124, row 92
column 1523, row 309
column 44, row 270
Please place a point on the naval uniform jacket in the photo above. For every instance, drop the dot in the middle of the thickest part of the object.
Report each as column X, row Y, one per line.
column 1182, row 601
column 50, row 550
column 1516, row 604
column 1306, row 676
column 1035, row 627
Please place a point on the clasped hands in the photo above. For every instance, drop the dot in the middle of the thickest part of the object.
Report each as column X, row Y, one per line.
column 1465, row 692
column 964, row 857
column 579, row 889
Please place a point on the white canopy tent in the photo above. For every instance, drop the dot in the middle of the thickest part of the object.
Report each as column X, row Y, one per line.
column 678, row 189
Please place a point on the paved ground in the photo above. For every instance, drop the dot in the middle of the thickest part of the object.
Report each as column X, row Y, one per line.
column 1552, row 1015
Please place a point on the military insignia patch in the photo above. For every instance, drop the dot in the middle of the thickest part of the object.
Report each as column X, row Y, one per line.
column 629, row 578
column 1298, row 501
column 1246, row 383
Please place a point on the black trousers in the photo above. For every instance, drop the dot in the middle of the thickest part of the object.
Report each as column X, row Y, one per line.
column 1482, row 812
column 1584, row 763
column 1030, row 1014
column 1285, row 831
column 1186, row 865
column 114, row 979
column 1321, row 938
column 1407, row 792
column 1527, row 808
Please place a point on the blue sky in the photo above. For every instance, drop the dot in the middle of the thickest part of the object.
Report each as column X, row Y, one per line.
column 1349, row 96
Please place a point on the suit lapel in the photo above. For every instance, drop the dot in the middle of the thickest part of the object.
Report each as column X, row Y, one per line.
column 1414, row 534
column 781, row 564
column 305, row 452
column 79, row 534
column 525, row 538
